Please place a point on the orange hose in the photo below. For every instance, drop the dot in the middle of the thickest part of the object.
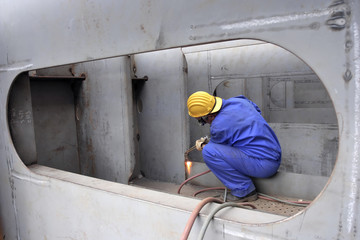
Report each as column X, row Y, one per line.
column 189, row 179
column 194, row 214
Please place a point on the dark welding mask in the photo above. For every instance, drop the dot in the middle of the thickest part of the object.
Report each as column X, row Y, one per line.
column 202, row 120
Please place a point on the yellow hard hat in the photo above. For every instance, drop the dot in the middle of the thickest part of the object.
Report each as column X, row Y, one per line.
column 201, row 104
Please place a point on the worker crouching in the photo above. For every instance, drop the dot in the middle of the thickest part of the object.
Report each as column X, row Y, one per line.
column 242, row 144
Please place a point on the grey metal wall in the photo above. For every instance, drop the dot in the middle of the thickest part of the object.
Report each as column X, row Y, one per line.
column 105, row 120
column 89, row 126
column 21, row 121
column 162, row 119
column 38, row 34
column 82, row 126
column 54, row 124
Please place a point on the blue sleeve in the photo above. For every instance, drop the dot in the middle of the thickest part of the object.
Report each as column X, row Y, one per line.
column 254, row 105
column 219, row 134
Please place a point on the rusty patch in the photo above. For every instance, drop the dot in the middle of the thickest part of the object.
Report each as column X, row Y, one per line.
column 90, row 149
column 59, row 149
column 142, row 28
column 89, row 146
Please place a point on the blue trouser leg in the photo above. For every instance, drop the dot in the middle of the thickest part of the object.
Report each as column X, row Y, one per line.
column 235, row 169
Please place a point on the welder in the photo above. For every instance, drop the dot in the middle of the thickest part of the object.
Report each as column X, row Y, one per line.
column 242, row 145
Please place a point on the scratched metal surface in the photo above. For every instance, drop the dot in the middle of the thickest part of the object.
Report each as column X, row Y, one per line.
column 38, row 34
column 104, row 120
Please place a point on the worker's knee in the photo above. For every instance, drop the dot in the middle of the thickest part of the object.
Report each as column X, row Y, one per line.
column 214, row 150
column 209, row 154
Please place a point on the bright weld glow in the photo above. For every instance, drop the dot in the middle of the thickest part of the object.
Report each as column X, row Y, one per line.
column 355, row 162
column 188, row 165
column 274, row 20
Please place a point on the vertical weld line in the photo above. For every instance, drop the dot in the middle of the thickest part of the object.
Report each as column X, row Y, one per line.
column 355, row 162
column 208, row 57
column 9, row 163
column 13, row 195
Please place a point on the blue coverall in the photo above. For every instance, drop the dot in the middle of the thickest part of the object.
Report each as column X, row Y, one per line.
column 242, row 146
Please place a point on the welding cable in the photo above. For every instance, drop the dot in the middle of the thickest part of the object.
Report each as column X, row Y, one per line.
column 295, row 203
column 215, row 210
column 262, row 196
column 186, row 154
column 194, row 214
column 208, row 189
column 189, row 179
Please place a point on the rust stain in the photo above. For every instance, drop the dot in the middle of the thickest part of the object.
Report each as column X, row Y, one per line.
column 59, row 149
column 90, row 149
column 2, row 235
column 92, row 158
column 226, row 84
column 142, row 28
column 89, row 146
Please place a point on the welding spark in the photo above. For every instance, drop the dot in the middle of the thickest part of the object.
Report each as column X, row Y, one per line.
column 188, row 165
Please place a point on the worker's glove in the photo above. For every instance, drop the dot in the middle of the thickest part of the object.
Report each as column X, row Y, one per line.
column 200, row 143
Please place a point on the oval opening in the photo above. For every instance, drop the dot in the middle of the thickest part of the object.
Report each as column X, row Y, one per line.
column 93, row 126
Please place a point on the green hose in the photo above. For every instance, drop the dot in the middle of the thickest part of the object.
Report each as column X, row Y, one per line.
column 212, row 214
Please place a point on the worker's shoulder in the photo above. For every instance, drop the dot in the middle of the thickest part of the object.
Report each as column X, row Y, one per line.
column 238, row 100
column 239, row 97
column 240, row 103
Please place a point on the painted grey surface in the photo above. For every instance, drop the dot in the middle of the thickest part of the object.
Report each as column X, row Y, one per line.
column 310, row 149
column 68, row 32
column 260, row 60
column 285, row 184
column 297, row 98
column 162, row 120
column 288, row 184
column 105, row 120
column 134, row 207
column 269, row 75
column 21, row 122
column 54, row 124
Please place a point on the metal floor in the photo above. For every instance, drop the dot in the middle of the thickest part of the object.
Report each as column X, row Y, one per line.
column 188, row 190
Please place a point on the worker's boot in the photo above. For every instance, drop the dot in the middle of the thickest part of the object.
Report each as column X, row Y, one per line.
column 253, row 196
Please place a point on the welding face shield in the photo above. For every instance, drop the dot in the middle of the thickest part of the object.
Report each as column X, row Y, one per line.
column 202, row 120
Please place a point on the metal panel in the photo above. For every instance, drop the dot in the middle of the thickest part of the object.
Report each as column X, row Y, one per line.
column 21, row 120
column 70, row 32
column 143, row 214
column 105, row 120
column 310, row 149
column 54, row 122
column 300, row 98
column 285, row 184
column 324, row 34
column 162, row 120
column 260, row 60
